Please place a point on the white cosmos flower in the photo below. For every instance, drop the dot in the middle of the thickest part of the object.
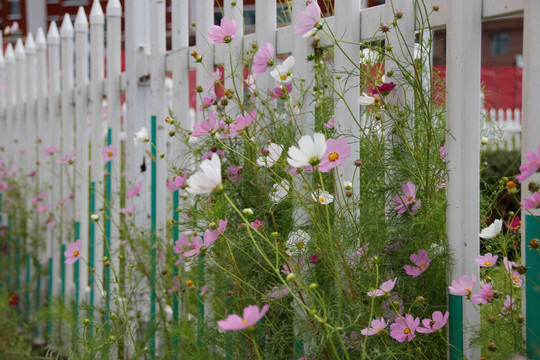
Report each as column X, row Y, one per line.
column 297, row 241
column 283, row 72
column 309, row 151
column 141, row 136
column 366, row 100
column 368, row 57
column 279, row 191
column 492, row 230
column 323, row 197
column 275, row 151
column 208, row 179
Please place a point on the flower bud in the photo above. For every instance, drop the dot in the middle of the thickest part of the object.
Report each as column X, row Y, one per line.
column 420, row 299
column 492, row 347
column 399, row 15
column 247, row 212
column 358, row 162
column 265, row 151
column 385, row 27
column 534, row 244
column 313, row 286
column 86, row 321
column 113, row 316
column 274, row 234
column 189, row 283
column 519, row 319
column 484, row 140
column 491, row 319
column 511, row 187
column 533, row 186
column 347, row 185
column 290, row 277
column 94, row 217
column 435, row 7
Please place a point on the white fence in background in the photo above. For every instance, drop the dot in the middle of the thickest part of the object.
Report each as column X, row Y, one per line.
column 502, row 128
column 53, row 98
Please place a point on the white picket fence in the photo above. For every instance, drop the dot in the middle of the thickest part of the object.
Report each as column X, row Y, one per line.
column 502, row 128
column 53, row 94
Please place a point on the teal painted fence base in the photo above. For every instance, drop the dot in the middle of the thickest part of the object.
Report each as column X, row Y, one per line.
column 532, row 288
column 455, row 326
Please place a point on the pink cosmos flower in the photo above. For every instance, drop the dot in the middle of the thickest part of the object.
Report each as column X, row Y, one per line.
column 383, row 89
column 50, row 150
column 209, row 126
column 404, row 328
column 3, row 186
column 208, row 101
column 509, row 265
column 384, row 289
column 442, row 152
column 224, row 33
column 61, row 202
column 517, row 279
column 257, row 225
column 486, row 260
column 177, row 183
column 242, row 121
column 531, row 167
column 180, row 247
column 377, row 325
column 135, row 191
column 235, row 174
column 222, row 225
column 68, row 158
column 281, row 90
column 250, row 317
column 508, row 307
column 73, row 253
column 176, row 285
column 128, row 209
column 422, row 261
column 310, row 19
column 32, row 173
column 337, row 151
column 42, row 208
column 208, row 155
column 434, row 324
column 199, row 245
column 408, row 198
column 109, row 153
column 278, row 293
column 484, row 296
column 463, row 286
column 314, row 259
column 263, row 59
column 330, row 124
column 514, row 226
column 531, row 203
column 215, row 79
column 51, row 222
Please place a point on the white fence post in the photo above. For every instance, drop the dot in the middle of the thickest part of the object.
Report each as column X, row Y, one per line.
column 97, row 23
column 53, row 138
column 463, row 142
column 68, row 139
column 114, row 44
column 265, row 31
column 81, row 165
column 43, row 168
column 530, row 142
column 234, row 63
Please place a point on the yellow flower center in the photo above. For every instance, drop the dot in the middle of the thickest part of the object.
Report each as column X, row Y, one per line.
column 487, row 263
column 321, row 199
column 244, row 321
column 422, row 266
column 406, row 331
column 75, row 253
column 110, row 154
column 283, row 77
column 409, row 198
column 469, row 291
column 515, row 278
column 301, row 244
column 333, row 156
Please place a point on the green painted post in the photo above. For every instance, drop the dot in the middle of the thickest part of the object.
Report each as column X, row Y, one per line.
column 63, row 270
column 298, row 348
column 38, row 294
column 77, row 285
column 153, row 231
column 175, row 268
column 455, row 326
column 27, row 292
column 91, row 263
column 532, row 288
column 106, row 272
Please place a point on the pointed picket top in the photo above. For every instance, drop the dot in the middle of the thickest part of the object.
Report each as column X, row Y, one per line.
column 114, row 8
column 96, row 14
column 81, row 22
column 30, row 44
column 41, row 42
column 53, row 36
column 66, row 30
column 19, row 49
column 10, row 55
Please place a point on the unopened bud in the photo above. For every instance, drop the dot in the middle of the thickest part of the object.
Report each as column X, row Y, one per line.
column 385, row 27
column 484, row 140
column 399, row 15
column 290, row 277
column 94, row 217
column 420, row 299
column 492, row 347
column 491, row 319
column 533, row 186
column 247, row 212
column 534, row 244
column 265, row 151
